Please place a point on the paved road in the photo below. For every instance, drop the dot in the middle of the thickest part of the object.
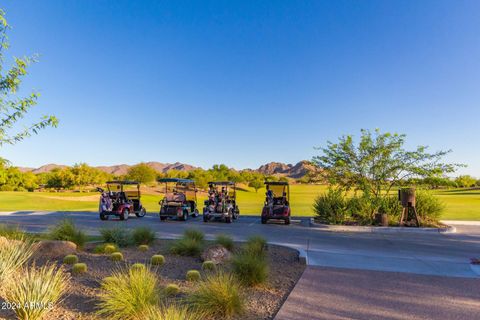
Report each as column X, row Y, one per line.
column 428, row 254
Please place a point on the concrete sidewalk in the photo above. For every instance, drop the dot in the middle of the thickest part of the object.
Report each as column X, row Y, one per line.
column 333, row 293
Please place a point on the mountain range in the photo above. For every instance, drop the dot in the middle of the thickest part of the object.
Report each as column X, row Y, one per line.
column 272, row 168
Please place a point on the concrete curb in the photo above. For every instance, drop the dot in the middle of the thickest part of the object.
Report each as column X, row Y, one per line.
column 381, row 230
column 475, row 268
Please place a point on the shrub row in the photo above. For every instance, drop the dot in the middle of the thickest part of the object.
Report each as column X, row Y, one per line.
column 123, row 237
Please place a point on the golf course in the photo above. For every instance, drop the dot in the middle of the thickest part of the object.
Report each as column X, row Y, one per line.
column 461, row 204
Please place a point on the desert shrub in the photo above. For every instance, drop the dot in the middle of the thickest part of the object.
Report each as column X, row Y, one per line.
column 66, row 230
column 186, row 247
column 208, row 265
column 256, row 245
column 143, row 235
column 116, row 256
column 128, row 293
column 70, row 259
column 36, row 286
column 171, row 289
column 12, row 232
column 170, row 312
column 193, row 275
column 137, row 266
column 429, row 207
column 361, row 209
column 218, row 296
column 143, row 247
column 120, row 236
column 330, row 207
column 194, row 234
column 250, row 269
column 106, row 248
column 225, row 241
column 157, row 260
column 79, row 268
column 13, row 255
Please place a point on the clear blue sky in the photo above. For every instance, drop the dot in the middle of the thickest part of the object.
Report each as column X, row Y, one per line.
column 246, row 82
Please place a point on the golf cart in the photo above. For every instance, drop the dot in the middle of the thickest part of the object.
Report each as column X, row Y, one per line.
column 277, row 202
column 221, row 202
column 180, row 199
column 120, row 199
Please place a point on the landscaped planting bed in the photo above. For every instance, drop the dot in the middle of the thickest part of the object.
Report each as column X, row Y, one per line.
column 82, row 298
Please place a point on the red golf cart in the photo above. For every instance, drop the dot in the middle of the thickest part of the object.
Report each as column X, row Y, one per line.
column 180, row 199
column 277, row 202
column 121, row 198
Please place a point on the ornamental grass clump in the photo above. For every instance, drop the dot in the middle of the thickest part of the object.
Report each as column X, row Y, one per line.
column 225, row 241
column 12, row 232
column 34, row 291
column 256, row 246
column 157, row 260
column 122, row 237
column 187, row 247
column 116, row 256
column 193, row 275
column 170, row 312
column 194, row 234
column 13, row 255
column 250, row 270
column 143, row 248
column 79, row 268
column 143, row 235
column 218, row 296
column 70, row 259
column 67, row 231
column 127, row 293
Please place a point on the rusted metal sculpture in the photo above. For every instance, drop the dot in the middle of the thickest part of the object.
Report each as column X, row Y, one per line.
column 409, row 215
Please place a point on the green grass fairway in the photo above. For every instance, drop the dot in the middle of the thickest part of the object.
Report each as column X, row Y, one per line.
column 460, row 204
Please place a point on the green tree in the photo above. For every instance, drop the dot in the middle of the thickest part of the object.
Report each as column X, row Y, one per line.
column 142, row 173
column 465, row 181
column 14, row 108
column 378, row 162
column 256, row 184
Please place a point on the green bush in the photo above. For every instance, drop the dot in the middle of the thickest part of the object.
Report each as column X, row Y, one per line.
column 116, row 256
column 67, row 231
column 172, row 289
column 429, row 207
column 106, row 248
column 12, row 232
column 157, row 260
column 361, row 209
column 250, row 269
column 170, row 312
column 187, row 247
column 120, row 236
column 143, row 235
column 143, row 247
column 194, row 234
column 128, row 293
column 13, row 255
column 208, row 265
column 256, row 245
column 70, row 259
column 193, row 275
column 37, row 286
column 79, row 268
column 218, row 296
column 137, row 266
column 331, row 207
column 225, row 241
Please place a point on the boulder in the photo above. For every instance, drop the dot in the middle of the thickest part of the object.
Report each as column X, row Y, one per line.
column 54, row 249
column 217, row 253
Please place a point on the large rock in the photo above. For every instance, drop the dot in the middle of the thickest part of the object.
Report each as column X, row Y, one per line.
column 217, row 253
column 54, row 249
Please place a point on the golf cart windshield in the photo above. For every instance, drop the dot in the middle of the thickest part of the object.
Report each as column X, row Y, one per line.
column 131, row 189
column 179, row 190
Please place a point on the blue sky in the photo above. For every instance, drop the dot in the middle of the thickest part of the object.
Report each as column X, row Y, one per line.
column 245, row 82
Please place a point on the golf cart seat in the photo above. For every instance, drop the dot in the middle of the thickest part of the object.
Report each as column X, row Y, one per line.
column 175, row 197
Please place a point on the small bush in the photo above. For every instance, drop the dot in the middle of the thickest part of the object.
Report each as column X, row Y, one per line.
column 38, row 286
column 256, row 246
column 194, row 234
column 116, row 256
column 120, row 236
column 128, row 293
column 193, row 275
column 12, row 232
column 157, row 260
column 13, row 255
column 208, row 265
column 225, row 241
column 67, row 231
column 250, row 269
column 143, row 235
column 79, row 268
column 218, row 296
column 186, row 247
column 70, row 259
column 137, row 266
column 429, row 207
column 143, row 247
column 172, row 289
column 106, row 248
column 170, row 312
column 330, row 207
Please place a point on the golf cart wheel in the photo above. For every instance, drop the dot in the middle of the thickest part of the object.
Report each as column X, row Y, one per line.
column 236, row 213
column 205, row 218
column 103, row 216
column 195, row 213
column 163, row 218
column 141, row 213
column 228, row 219
column 287, row 220
column 185, row 215
column 264, row 220
column 124, row 214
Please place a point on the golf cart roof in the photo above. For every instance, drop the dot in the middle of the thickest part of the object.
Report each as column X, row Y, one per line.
column 224, row 183
column 277, row 183
column 177, row 180
column 122, row 182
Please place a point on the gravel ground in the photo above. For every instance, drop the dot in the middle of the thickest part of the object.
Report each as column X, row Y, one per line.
column 262, row 302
